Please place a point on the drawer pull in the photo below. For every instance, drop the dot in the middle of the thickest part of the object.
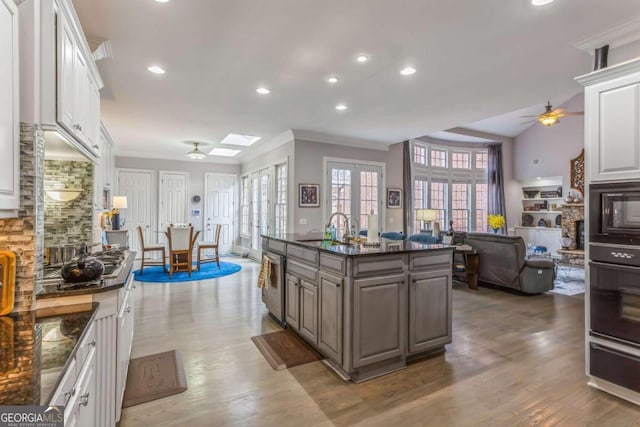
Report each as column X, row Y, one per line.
column 84, row 399
column 92, row 343
column 127, row 310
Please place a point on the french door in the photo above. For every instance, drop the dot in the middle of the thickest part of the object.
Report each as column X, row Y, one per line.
column 260, row 208
column 354, row 190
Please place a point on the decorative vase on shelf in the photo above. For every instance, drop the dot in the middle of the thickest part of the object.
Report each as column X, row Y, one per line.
column 495, row 230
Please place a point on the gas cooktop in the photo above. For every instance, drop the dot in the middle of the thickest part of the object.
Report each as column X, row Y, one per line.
column 112, row 261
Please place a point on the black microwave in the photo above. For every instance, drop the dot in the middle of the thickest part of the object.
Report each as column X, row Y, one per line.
column 614, row 212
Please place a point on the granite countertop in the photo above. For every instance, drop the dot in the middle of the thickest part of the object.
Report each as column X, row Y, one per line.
column 314, row 240
column 35, row 349
column 52, row 291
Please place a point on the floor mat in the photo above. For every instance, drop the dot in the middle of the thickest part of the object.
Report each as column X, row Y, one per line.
column 153, row 377
column 284, row 349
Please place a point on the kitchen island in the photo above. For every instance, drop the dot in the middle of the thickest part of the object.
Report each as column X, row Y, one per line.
column 368, row 310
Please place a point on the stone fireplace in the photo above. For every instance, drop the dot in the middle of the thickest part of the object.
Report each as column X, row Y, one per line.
column 571, row 214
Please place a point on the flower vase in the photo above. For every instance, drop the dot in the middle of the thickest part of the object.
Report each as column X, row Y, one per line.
column 495, row 230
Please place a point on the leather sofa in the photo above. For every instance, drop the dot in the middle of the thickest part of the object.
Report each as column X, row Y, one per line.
column 503, row 263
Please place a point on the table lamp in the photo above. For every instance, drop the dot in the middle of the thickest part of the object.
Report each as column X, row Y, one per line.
column 426, row 215
column 119, row 202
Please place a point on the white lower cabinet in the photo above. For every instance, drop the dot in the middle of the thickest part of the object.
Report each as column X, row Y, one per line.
column 125, row 341
column 93, row 385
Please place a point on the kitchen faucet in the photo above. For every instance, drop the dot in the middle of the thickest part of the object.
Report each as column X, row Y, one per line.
column 346, row 219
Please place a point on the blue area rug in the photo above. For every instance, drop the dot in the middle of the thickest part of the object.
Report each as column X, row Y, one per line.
column 208, row 271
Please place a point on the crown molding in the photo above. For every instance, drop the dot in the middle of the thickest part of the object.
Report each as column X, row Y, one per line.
column 155, row 156
column 614, row 37
column 490, row 137
column 608, row 73
column 258, row 149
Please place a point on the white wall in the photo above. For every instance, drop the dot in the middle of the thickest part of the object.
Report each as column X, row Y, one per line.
column 196, row 171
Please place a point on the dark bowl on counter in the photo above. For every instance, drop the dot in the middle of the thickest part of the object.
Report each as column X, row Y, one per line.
column 82, row 270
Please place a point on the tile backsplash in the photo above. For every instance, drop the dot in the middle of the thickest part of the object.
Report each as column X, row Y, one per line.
column 68, row 222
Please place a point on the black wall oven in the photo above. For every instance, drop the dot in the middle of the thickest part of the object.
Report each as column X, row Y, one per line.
column 614, row 212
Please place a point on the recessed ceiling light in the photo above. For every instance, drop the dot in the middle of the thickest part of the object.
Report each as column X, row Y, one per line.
column 341, row 107
column 407, row 71
column 155, row 69
column 225, row 152
column 540, row 2
column 263, row 91
column 162, row 1
column 362, row 58
column 332, row 79
column 242, row 140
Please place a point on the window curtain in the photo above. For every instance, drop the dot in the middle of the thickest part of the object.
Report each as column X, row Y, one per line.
column 495, row 200
column 407, row 185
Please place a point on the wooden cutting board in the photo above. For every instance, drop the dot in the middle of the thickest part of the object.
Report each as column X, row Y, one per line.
column 7, row 281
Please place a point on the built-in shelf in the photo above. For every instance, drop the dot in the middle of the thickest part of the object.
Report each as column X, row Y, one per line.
column 542, row 212
column 540, row 199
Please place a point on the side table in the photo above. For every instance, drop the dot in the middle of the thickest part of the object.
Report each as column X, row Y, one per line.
column 471, row 261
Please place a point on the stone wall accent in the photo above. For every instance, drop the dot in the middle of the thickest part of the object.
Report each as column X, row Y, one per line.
column 24, row 235
column 68, row 222
column 570, row 214
column 19, row 359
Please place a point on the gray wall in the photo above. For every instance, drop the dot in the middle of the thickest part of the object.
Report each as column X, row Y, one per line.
column 196, row 171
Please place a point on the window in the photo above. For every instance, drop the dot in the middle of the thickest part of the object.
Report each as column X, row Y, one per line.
column 281, row 199
column 438, row 158
column 454, row 182
column 420, row 154
column 481, row 207
column 460, row 205
column 244, row 206
column 420, row 198
column 482, row 159
column 460, row 160
column 438, row 200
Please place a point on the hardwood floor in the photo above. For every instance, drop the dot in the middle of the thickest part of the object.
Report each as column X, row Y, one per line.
column 514, row 360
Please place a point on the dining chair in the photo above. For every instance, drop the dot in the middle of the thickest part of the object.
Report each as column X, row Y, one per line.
column 181, row 242
column 151, row 249
column 210, row 245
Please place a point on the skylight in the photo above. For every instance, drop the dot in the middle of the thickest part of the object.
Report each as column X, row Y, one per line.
column 242, row 140
column 225, row 152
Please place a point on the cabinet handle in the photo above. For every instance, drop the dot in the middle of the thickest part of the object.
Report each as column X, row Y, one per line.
column 69, row 394
column 96, row 146
column 76, row 126
column 127, row 310
column 84, row 399
column 92, row 343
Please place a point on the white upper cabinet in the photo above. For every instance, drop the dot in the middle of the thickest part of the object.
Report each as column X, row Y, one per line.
column 9, row 111
column 60, row 80
column 612, row 122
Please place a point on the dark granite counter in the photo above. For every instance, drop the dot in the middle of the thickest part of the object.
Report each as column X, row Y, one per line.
column 107, row 285
column 36, row 348
column 314, row 240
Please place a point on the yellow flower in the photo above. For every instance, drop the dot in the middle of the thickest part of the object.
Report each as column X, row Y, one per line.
column 496, row 221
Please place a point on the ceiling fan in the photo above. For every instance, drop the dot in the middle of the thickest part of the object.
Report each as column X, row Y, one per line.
column 550, row 116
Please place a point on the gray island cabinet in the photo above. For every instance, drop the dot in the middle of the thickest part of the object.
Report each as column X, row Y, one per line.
column 368, row 310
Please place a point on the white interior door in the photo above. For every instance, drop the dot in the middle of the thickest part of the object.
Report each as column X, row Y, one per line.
column 173, row 208
column 136, row 185
column 219, row 203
